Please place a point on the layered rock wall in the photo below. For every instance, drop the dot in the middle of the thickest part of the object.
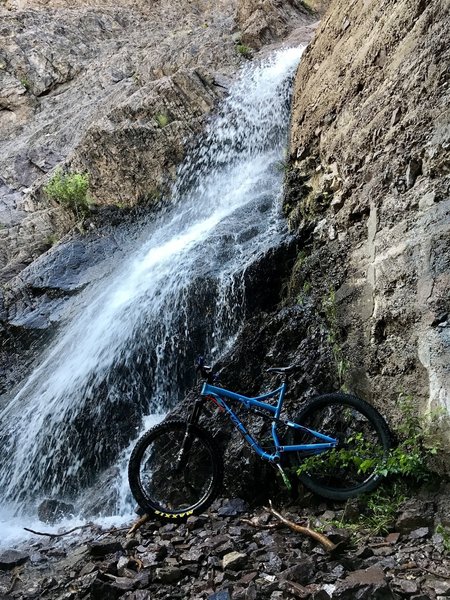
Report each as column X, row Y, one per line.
column 368, row 188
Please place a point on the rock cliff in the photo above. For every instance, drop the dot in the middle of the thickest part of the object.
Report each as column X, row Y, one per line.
column 112, row 90
column 367, row 187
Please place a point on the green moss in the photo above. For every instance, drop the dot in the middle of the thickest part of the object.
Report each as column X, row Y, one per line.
column 152, row 196
column 244, row 50
column 445, row 533
column 25, row 82
column 330, row 310
column 315, row 204
column 307, row 6
column 162, row 119
column 51, row 240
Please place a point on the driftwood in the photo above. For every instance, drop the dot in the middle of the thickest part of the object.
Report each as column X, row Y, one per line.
column 87, row 526
column 315, row 535
column 57, row 535
column 138, row 524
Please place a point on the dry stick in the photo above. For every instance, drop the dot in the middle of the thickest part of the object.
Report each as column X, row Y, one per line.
column 138, row 524
column 319, row 537
column 57, row 535
column 87, row 526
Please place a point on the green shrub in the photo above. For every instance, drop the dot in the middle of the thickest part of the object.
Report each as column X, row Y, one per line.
column 51, row 240
column 376, row 511
column 70, row 190
column 419, row 441
column 244, row 50
column 25, row 82
column 445, row 532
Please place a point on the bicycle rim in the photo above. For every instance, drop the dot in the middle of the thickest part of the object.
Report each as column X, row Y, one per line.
column 176, row 475
column 363, row 445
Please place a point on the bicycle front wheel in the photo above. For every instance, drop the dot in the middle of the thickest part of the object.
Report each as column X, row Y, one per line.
column 175, row 470
column 354, row 466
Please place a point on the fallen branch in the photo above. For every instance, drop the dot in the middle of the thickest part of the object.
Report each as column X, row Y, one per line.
column 57, row 535
column 138, row 524
column 315, row 535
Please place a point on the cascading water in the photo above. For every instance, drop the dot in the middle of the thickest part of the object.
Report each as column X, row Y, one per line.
column 128, row 352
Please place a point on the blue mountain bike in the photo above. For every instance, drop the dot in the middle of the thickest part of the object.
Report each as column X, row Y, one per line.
column 336, row 446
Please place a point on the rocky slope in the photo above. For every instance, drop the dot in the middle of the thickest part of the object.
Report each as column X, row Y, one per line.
column 368, row 188
column 235, row 553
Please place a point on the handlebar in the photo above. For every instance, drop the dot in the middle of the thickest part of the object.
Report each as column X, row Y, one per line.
column 204, row 370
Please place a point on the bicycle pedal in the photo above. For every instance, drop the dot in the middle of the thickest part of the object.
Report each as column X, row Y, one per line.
column 285, row 478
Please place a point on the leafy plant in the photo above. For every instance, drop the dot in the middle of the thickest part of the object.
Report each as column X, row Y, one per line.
column 445, row 533
column 418, row 442
column 409, row 458
column 358, row 454
column 70, row 190
column 51, row 240
column 377, row 511
column 382, row 507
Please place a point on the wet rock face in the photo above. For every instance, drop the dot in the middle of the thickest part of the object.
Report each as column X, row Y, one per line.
column 51, row 510
column 368, row 174
column 291, row 336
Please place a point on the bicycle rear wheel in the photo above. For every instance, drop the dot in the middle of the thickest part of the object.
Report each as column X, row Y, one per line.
column 175, row 470
column 353, row 467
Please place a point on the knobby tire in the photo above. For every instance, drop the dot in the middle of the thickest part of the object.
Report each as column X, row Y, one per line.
column 164, row 489
column 364, row 439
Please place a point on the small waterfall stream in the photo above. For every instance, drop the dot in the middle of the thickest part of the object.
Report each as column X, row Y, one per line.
column 128, row 352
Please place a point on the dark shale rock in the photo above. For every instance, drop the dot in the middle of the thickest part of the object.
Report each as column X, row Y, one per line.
column 52, row 510
column 420, row 533
column 234, row 507
column 275, row 565
column 235, row 561
column 415, row 514
column 168, row 574
column 302, row 572
column 12, row 558
column 369, row 584
column 111, row 588
column 103, row 547
column 221, row 595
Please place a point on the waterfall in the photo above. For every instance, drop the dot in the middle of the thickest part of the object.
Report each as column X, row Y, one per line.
column 128, row 352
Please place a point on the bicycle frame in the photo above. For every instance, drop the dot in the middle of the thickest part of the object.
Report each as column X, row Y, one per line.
column 218, row 395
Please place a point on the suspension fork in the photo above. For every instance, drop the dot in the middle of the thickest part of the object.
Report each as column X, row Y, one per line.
column 196, row 412
column 186, row 444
